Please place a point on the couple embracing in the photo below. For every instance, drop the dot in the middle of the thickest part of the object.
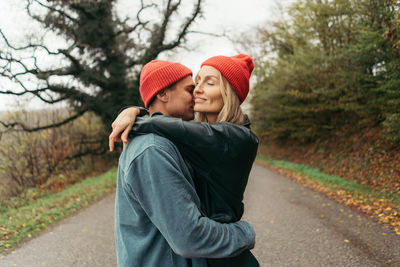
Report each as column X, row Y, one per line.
column 179, row 199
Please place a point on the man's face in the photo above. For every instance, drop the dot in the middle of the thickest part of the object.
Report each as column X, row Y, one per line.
column 180, row 99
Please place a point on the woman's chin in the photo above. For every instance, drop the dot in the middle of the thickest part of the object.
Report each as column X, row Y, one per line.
column 197, row 109
column 205, row 108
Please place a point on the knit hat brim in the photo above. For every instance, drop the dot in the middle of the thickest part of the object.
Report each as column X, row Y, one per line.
column 236, row 70
column 157, row 75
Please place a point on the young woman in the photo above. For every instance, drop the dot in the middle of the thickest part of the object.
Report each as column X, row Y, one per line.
column 220, row 148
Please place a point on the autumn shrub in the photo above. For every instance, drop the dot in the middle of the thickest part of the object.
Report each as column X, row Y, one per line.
column 50, row 159
column 392, row 127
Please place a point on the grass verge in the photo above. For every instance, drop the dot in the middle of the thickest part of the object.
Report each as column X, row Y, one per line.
column 382, row 205
column 18, row 224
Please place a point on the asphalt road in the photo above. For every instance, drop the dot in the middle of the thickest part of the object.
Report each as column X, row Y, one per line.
column 294, row 225
column 85, row 239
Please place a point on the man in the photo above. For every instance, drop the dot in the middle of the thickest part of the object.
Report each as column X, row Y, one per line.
column 157, row 216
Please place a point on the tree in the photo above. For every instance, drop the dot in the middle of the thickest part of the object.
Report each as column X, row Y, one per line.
column 103, row 54
column 324, row 70
column 388, row 70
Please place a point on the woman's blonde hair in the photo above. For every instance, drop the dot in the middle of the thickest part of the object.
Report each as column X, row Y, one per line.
column 231, row 111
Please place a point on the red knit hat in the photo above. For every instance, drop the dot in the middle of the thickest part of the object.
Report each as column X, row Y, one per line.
column 236, row 70
column 159, row 74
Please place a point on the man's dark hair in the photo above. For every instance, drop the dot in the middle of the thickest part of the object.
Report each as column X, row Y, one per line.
column 172, row 86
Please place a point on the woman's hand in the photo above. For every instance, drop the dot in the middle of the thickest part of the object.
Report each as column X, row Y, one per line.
column 121, row 126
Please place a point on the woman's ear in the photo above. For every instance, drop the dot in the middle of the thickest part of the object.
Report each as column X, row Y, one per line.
column 162, row 96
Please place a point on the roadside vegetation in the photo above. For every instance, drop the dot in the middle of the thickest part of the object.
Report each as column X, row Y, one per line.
column 326, row 100
column 43, row 175
column 50, row 159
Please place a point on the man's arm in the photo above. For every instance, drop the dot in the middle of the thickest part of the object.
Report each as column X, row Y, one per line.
column 171, row 203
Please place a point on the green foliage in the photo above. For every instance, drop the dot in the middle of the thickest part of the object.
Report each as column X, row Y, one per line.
column 23, row 219
column 333, row 68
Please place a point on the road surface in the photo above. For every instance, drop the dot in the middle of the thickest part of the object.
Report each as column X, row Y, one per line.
column 294, row 225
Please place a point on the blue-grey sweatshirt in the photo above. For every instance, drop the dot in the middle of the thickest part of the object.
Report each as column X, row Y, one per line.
column 157, row 217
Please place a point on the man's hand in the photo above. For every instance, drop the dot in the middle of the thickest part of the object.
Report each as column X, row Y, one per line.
column 121, row 126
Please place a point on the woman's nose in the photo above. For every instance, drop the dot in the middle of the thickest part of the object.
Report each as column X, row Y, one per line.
column 198, row 89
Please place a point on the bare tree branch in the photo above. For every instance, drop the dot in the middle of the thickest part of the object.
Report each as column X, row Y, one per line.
column 30, row 45
column 26, row 128
column 63, row 91
column 157, row 45
column 127, row 29
column 64, row 14
column 185, row 28
column 210, row 34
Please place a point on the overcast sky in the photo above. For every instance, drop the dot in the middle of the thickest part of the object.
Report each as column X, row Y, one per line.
column 232, row 16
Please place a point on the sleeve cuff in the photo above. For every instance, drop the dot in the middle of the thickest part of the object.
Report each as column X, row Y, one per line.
column 249, row 231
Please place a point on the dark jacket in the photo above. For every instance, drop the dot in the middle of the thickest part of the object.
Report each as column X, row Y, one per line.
column 221, row 156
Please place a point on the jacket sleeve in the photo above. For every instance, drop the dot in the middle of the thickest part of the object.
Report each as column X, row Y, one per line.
column 171, row 203
column 201, row 144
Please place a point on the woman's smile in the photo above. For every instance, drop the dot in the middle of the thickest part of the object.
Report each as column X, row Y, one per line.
column 199, row 100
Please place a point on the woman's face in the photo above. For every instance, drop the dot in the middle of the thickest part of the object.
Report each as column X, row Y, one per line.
column 207, row 93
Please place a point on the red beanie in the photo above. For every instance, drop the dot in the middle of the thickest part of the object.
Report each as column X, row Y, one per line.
column 236, row 70
column 159, row 74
